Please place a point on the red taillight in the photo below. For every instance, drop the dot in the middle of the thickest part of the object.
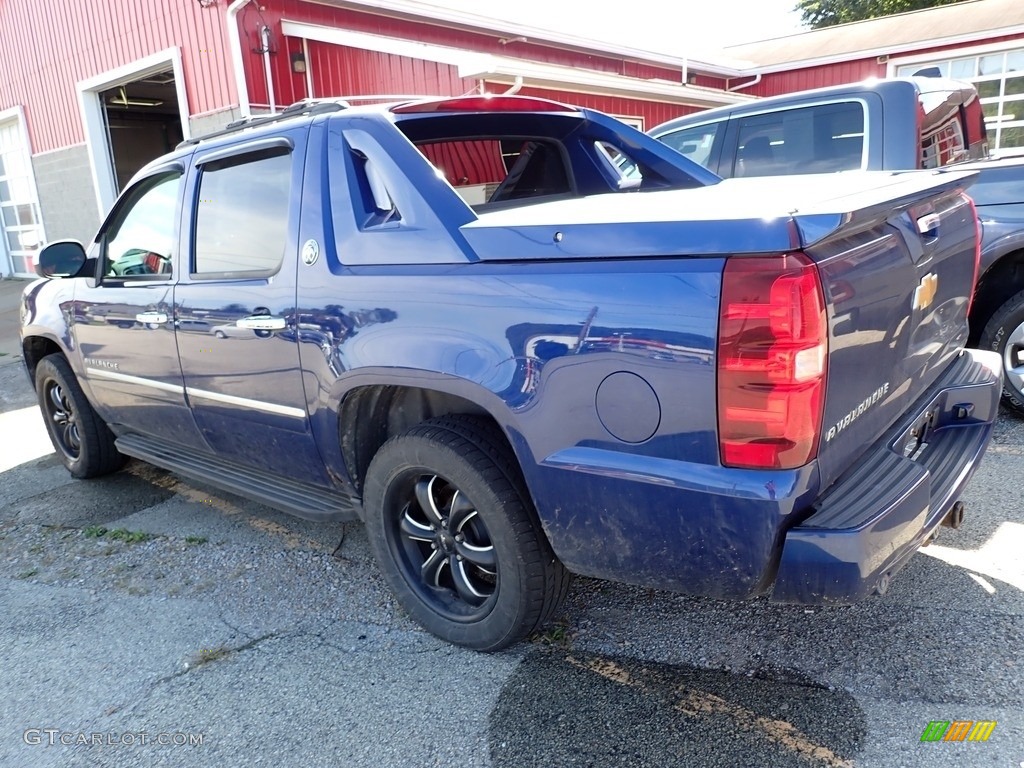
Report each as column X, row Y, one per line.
column 772, row 357
column 484, row 103
column 977, row 252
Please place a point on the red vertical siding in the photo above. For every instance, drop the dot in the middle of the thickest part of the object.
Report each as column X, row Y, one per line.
column 396, row 74
column 653, row 112
column 341, row 71
column 775, row 83
column 48, row 47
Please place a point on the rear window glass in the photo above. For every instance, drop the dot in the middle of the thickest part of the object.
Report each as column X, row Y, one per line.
column 817, row 139
column 497, row 170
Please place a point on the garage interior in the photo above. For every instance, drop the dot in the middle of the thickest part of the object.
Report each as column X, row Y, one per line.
column 142, row 121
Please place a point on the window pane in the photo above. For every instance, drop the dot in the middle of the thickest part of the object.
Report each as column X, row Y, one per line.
column 242, row 217
column 9, row 215
column 1014, row 85
column 1012, row 137
column 988, row 88
column 694, row 143
column 820, row 139
column 1012, row 110
column 964, row 68
column 1015, row 61
column 23, row 264
column 25, row 215
column 991, row 111
column 23, row 239
column 991, row 65
column 141, row 240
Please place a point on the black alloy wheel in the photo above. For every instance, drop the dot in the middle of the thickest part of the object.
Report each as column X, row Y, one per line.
column 62, row 420
column 442, row 542
column 452, row 528
column 84, row 443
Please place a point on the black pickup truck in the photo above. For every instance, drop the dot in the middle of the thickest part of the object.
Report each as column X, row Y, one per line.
column 891, row 124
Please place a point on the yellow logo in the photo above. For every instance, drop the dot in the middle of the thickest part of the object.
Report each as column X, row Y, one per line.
column 925, row 292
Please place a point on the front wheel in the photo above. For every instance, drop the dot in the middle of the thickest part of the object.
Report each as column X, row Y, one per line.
column 84, row 443
column 1004, row 333
column 455, row 537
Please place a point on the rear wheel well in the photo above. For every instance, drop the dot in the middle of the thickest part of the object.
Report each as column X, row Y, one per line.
column 1002, row 280
column 35, row 348
column 371, row 415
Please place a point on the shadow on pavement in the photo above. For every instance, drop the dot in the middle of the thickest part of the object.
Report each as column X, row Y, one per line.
column 582, row 709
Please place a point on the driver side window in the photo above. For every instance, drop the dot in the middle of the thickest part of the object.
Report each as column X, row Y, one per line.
column 140, row 241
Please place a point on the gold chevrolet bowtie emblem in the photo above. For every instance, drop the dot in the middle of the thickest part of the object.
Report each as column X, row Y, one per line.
column 925, row 292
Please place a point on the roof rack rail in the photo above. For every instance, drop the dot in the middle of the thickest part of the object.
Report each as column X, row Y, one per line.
column 307, row 107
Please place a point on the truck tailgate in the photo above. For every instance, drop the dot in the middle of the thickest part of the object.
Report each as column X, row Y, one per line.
column 897, row 276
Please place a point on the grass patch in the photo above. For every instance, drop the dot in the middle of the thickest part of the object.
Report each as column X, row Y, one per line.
column 194, row 540
column 130, row 537
column 118, row 534
column 208, row 655
column 556, row 634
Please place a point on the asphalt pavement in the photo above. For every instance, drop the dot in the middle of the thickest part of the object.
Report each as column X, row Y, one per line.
column 146, row 620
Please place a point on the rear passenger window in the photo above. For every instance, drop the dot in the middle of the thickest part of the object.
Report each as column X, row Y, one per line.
column 818, row 139
column 242, row 216
column 694, row 143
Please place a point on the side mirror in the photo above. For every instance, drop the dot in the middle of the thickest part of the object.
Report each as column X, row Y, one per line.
column 63, row 258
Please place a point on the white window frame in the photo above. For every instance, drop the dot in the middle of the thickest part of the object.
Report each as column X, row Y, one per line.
column 97, row 141
column 17, row 114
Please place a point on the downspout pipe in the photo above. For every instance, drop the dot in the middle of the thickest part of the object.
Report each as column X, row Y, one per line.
column 265, row 45
column 237, row 64
column 755, row 81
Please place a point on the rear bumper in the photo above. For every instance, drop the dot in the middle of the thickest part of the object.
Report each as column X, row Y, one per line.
column 869, row 523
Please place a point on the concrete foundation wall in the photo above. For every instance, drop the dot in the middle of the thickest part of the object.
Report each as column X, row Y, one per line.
column 215, row 121
column 67, row 199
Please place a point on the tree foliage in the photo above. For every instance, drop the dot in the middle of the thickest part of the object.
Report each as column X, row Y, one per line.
column 826, row 13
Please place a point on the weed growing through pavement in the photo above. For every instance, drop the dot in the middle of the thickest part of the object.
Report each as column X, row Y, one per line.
column 118, row 534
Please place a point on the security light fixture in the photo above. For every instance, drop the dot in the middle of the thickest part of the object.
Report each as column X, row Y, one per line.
column 122, row 100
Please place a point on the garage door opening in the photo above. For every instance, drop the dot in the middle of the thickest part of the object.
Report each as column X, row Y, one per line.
column 142, row 122
column 132, row 115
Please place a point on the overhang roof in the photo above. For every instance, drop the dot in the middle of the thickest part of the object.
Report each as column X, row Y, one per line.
column 966, row 21
column 454, row 19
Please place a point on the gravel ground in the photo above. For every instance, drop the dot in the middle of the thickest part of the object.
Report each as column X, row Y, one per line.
column 145, row 604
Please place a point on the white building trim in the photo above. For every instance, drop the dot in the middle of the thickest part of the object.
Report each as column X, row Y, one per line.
column 506, row 70
column 97, row 139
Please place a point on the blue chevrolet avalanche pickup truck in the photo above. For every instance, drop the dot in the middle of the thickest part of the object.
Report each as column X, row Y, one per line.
column 459, row 321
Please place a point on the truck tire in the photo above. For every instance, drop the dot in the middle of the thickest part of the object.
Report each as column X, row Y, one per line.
column 1004, row 333
column 83, row 441
column 456, row 537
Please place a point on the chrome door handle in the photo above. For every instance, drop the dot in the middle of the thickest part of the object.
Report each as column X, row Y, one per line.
column 261, row 323
column 929, row 224
column 151, row 318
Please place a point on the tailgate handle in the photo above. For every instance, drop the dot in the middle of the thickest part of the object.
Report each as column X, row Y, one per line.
column 929, row 224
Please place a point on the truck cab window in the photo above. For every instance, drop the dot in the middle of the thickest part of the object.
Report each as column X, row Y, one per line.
column 140, row 241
